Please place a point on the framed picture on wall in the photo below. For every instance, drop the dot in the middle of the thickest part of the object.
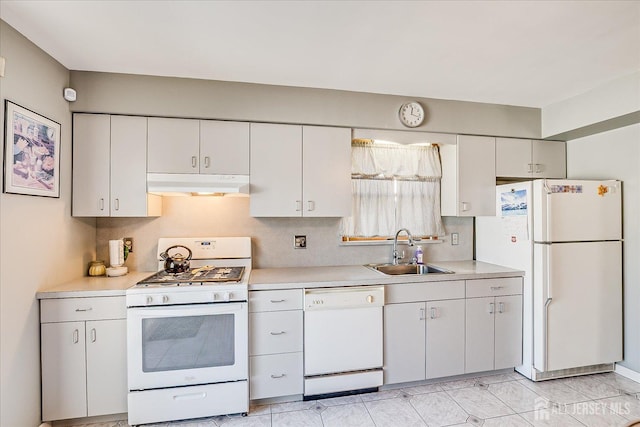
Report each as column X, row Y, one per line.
column 31, row 153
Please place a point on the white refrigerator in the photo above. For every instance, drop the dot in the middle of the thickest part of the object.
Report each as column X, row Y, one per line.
column 567, row 237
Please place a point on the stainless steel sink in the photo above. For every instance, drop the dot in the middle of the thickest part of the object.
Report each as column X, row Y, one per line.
column 399, row 269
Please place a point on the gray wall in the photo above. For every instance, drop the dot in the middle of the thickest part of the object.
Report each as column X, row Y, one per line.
column 175, row 97
column 616, row 154
column 41, row 244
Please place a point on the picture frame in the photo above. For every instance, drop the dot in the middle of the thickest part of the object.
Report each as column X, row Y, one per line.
column 31, row 153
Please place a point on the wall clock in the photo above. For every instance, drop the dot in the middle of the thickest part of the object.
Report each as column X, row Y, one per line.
column 411, row 114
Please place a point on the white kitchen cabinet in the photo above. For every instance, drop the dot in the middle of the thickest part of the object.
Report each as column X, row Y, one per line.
column 445, row 338
column 109, row 167
column 526, row 158
column 300, row 171
column 493, row 324
column 424, row 331
column 275, row 343
column 468, row 176
column 84, row 371
column 173, row 145
column 224, row 147
column 198, row 146
column 404, row 342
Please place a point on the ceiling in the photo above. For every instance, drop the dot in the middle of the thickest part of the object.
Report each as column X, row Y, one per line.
column 528, row 53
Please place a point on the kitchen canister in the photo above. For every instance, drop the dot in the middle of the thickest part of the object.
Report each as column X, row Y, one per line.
column 97, row 268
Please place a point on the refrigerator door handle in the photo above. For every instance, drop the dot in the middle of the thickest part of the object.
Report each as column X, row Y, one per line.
column 546, row 187
column 546, row 332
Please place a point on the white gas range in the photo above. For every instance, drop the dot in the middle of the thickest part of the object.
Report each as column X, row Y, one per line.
column 187, row 333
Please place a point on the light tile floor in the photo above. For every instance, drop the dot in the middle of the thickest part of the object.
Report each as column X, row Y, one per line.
column 508, row 400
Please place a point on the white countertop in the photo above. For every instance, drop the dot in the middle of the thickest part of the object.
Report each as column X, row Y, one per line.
column 289, row 278
column 350, row 275
column 100, row 286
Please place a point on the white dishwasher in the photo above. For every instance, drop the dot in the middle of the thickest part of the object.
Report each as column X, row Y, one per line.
column 342, row 339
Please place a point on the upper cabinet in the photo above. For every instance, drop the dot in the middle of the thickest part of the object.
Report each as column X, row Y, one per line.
column 300, row 171
column 198, row 146
column 468, row 176
column 526, row 158
column 109, row 167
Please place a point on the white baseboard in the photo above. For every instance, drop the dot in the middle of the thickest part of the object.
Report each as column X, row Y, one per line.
column 628, row 373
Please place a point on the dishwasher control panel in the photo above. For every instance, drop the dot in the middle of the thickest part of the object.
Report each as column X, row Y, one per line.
column 341, row 298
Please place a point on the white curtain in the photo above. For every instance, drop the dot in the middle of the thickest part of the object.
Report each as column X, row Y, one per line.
column 394, row 186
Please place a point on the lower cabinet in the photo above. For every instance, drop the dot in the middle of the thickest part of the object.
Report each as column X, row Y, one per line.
column 275, row 344
column 493, row 325
column 84, row 371
column 424, row 339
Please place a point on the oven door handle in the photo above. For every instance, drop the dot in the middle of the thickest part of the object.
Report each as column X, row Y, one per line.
column 188, row 310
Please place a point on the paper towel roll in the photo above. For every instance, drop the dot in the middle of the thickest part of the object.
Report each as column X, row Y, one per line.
column 116, row 253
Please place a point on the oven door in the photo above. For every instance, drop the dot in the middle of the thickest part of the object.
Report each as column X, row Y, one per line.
column 186, row 345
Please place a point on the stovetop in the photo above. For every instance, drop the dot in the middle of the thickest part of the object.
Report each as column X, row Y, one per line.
column 209, row 275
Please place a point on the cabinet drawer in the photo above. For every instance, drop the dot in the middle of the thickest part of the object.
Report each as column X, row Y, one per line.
column 276, row 375
column 77, row 309
column 289, row 299
column 427, row 291
column 494, row 287
column 276, row 332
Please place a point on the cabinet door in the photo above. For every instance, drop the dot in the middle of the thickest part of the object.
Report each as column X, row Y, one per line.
column 224, row 148
column 326, row 169
column 508, row 331
column 173, row 145
column 64, row 376
column 476, row 176
column 513, row 158
column 276, row 375
column 276, row 170
column 445, row 338
column 479, row 349
column 404, row 342
column 549, row 159
column 128, row 166
column 106, row 367
column 91, row 140
column 275, row 332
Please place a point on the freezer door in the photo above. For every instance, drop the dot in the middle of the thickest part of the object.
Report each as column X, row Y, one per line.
column 577, row 304
column 573, row 211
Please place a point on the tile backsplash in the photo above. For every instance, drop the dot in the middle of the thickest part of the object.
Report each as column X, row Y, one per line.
column 272, row 238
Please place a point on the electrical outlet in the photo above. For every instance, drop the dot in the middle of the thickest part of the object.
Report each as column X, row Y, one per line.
column 454, row 238
column 300, row 242
column 128, row 242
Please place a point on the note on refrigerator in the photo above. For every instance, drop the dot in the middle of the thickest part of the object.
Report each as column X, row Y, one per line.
column 514, row 212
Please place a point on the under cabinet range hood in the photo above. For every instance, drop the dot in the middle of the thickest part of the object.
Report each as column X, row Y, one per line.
column 177, row 184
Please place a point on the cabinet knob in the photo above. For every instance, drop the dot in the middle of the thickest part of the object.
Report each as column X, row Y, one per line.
column 298, row 205
column 434, row 313
column 101, row 204
column 465, row 206
column 76, row 336
column 311, row 205
column 492, row 308
column 194, row 161
column 116, row 204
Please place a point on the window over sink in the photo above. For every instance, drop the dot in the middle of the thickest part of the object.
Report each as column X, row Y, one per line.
column 393, row 186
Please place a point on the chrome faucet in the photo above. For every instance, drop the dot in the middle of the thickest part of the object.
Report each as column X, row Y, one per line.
column 396, row 254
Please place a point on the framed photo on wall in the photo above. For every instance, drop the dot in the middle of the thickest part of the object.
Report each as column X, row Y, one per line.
column 31, row 153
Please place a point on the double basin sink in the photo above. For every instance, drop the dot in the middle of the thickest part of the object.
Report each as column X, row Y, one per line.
column 402, row 269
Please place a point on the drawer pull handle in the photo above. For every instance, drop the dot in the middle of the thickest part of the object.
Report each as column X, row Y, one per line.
column 497, row 288
column 83, row 309
column 277, row 300
column 190, row 396
column 275, row 377
column 277, row 333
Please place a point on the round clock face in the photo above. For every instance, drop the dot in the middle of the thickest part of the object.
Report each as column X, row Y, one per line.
column 411, row 114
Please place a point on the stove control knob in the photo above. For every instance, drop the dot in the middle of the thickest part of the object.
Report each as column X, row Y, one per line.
column 149, row 300
column 165, row 299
